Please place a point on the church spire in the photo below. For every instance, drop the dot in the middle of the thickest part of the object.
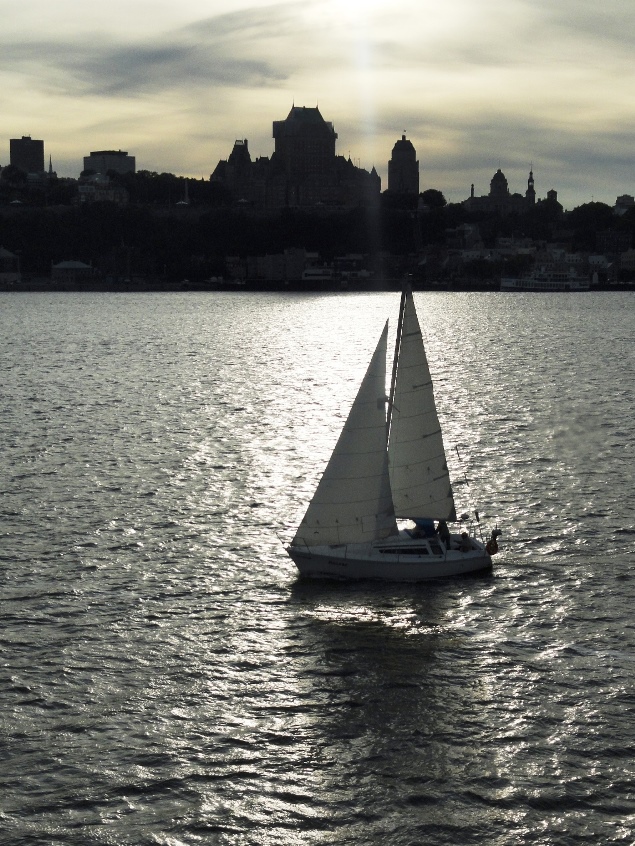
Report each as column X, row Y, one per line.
column 530, row 193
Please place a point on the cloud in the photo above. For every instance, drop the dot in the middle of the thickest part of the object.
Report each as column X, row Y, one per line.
column 217, row 52
column 477, row 85
column 611, row 22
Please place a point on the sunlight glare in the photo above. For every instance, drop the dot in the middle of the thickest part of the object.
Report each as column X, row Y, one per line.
column 351, row 11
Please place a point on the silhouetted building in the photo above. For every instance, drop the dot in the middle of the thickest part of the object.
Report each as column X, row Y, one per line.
column 627, row 263
column 623, row 204
column 612, row 242
column 72, row 273
column 27, row 154
column 102, row 161
column 500, row 200
column 403, row 168
column 100, row 188
column 303, row 170
column 464, row 237
column 530, row 193
column 9, row 267
column 244, row 179
column 304, row 143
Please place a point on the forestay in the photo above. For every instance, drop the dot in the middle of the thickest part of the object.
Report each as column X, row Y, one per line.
column 352, row 503
column 419, row 475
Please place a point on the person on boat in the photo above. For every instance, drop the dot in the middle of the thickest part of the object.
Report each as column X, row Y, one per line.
column 424, row 528
column 465, row 544
column 444, row 533
column 491, row 547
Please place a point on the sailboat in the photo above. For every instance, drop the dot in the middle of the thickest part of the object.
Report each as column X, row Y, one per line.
column 389, row 465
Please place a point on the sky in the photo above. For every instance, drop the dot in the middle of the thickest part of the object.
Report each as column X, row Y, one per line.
column 476, row 85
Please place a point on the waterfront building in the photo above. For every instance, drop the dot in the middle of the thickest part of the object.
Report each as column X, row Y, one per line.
column 71, row 273
column 627, row 262
column 9, row 267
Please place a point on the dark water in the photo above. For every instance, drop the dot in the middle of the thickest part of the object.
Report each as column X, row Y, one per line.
column 166, row 679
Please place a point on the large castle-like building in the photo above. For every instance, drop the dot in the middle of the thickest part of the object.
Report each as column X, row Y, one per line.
column 303, row 171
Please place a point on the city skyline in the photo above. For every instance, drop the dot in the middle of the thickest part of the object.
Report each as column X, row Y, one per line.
column 475, row 86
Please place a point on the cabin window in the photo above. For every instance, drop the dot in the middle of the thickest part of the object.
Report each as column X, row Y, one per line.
column 410, row 550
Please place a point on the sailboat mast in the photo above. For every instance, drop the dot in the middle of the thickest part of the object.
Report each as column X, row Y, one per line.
column 393, row 380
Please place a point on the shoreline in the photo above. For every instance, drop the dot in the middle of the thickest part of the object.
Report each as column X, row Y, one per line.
column 43, row 285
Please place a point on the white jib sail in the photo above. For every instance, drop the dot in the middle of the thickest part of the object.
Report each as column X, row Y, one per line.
column 419, row 475
column 352, row 503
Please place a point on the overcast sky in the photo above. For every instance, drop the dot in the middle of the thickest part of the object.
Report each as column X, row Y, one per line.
column 475, row 84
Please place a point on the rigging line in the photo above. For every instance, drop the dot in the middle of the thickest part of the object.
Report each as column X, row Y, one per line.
column 469, row 493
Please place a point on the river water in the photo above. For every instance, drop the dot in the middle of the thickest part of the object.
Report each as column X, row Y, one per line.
column 164, row 676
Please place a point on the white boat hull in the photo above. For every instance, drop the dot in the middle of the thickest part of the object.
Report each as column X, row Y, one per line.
column 396, row 562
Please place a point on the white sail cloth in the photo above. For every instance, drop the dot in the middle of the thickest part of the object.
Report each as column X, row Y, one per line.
column 352, row 503
column 419, row 476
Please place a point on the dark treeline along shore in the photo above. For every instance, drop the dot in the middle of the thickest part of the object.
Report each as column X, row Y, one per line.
column 157, row 240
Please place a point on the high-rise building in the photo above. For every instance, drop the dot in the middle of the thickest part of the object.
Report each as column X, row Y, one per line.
column 403, row 168
column 102, row 161
column 27, row 154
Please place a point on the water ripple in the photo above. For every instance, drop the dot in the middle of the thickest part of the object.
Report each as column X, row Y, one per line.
column 165, row 678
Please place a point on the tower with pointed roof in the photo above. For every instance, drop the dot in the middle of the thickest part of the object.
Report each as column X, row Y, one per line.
column 530, row 193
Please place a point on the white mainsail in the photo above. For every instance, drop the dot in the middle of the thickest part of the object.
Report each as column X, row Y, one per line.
column 352, row 503
column 419, row 475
